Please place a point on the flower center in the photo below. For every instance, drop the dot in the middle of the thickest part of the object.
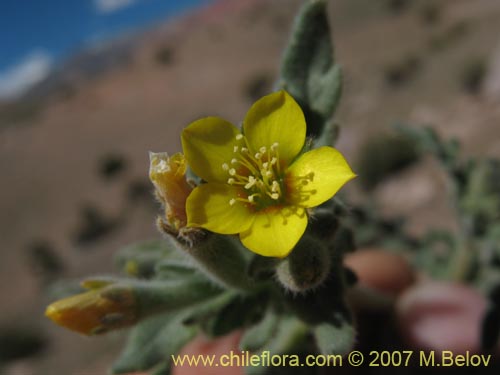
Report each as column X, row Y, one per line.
column 258, row 174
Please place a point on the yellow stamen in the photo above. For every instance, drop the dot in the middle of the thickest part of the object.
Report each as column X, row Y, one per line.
column 259, row 174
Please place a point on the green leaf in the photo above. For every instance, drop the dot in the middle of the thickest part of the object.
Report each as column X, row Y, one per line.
column 325, row 89
column 261, row 333
column 163, row 368
column 140, row 259
column 334, row 337
column 210, row 308
column 435, row 255
column 152, row 342
column 290, row 338
column 159, row 296
column 233, row 316
column 428, row 141
column 308, row 70
column 329, row 135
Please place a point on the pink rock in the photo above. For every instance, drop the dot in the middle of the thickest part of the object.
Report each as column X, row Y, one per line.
column 442, row 316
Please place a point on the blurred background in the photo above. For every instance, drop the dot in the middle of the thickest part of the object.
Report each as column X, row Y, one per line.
column 88, row 87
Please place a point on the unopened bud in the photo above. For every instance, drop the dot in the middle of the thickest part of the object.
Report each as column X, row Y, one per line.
column 96, row 311
column 307, row 266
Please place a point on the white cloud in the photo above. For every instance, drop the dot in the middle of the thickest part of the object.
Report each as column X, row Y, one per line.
column 16, row 79
column 109, row 6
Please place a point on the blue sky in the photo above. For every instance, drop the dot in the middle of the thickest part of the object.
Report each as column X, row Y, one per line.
column 36, row 34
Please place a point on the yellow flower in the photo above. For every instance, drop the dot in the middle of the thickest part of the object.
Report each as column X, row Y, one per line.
column 258, row 183
column 168, row 174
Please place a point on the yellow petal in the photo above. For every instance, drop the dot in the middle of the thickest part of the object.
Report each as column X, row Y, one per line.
column 275, row 232
column 208, row 207
column 276, row 118
column 316, row 176
column 208, row 144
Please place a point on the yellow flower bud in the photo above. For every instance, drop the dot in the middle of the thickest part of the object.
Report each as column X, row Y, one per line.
column 168, row 174
column 96, row 311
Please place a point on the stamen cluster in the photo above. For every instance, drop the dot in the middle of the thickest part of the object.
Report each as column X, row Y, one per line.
column 258, row 174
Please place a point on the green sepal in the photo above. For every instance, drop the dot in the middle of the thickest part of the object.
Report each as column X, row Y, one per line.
column 152, row 342
column 222, row 260
column 308, row 70
column 323, row 223
column 306, row 267
column 321, row 304
column 146, row 298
